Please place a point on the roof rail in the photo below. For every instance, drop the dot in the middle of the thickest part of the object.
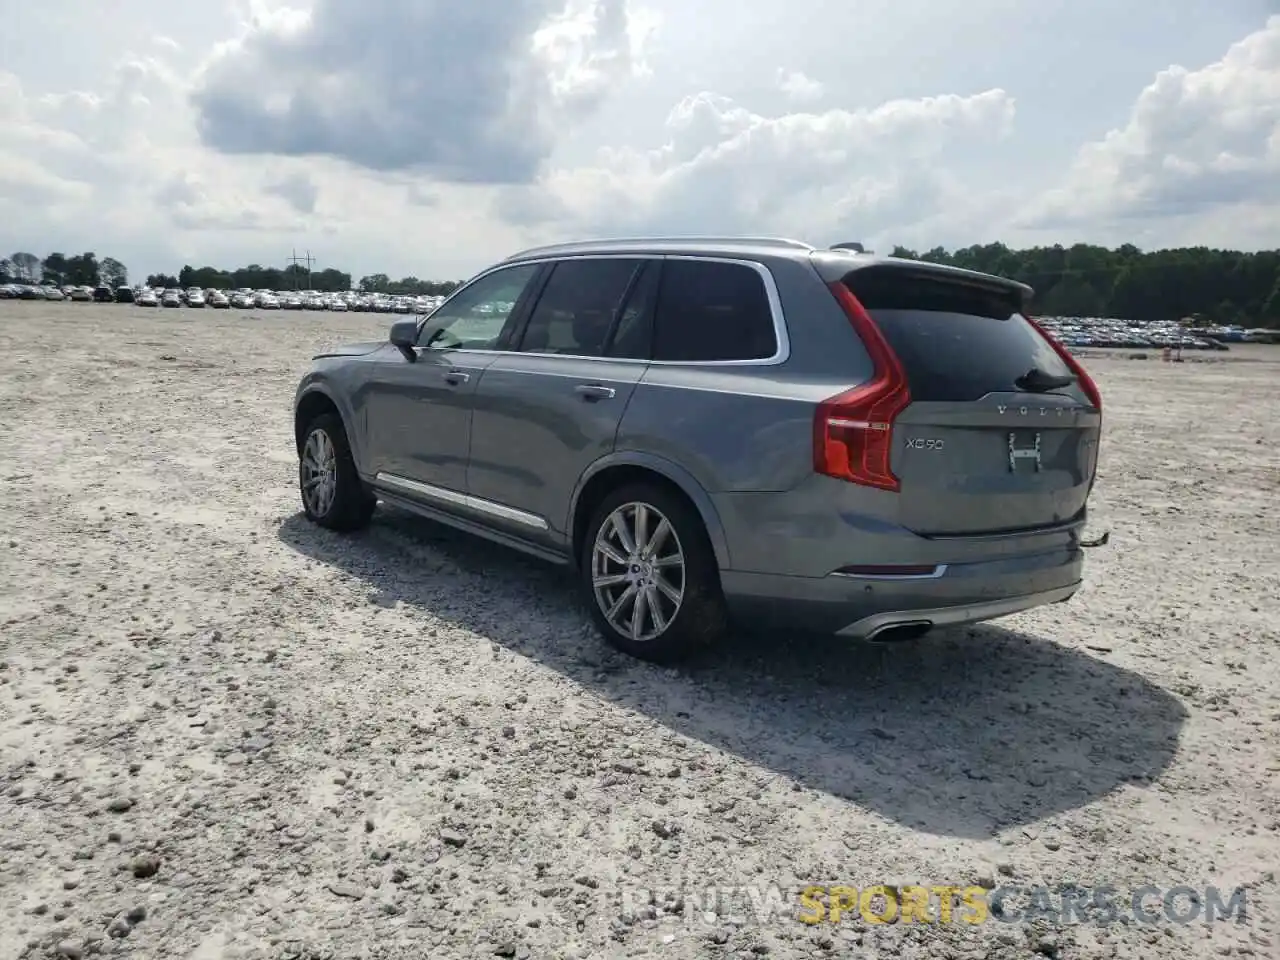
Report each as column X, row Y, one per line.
column 852, row 245
column 570, row 245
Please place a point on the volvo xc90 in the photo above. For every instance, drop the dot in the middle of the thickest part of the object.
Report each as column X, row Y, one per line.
column 719, row 429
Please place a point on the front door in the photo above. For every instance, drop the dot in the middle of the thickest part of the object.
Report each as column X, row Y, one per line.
column 546, row 411
column 419, row 409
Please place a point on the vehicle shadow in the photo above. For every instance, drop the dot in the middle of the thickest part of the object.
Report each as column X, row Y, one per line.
column 965, row 733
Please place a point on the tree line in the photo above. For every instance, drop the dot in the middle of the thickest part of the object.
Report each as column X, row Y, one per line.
column 1213, row 286
column 80, row 270
column 255, row 277
column 295, row 277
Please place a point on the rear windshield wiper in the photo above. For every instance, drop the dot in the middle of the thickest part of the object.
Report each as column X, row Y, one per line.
column 1036, row 380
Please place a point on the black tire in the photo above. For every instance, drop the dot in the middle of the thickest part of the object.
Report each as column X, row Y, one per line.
column 701, row 619
column 352, row 504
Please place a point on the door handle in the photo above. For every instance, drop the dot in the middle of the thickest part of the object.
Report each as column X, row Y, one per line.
column 456, row 377
column 592, row 392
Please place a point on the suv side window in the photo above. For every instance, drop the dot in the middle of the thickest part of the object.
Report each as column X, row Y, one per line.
column 474, row 319
column 712, row 310
column 578, row 305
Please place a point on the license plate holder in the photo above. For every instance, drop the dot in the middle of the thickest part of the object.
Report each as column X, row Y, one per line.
column 1018, row 453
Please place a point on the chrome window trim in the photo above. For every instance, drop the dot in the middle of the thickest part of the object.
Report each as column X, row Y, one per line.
column 569, row 247
column 782, row 340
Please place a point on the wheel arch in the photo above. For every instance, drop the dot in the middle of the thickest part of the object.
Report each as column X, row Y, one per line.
column 313, row 400
column 614, row 470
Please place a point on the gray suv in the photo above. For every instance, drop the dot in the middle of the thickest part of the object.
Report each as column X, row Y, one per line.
column 713, row 430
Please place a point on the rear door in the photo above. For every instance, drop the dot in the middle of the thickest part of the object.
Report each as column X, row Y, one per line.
column 547, row 410
column 999, row 436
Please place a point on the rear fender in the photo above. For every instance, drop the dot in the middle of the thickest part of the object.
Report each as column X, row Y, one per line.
column 671, row 472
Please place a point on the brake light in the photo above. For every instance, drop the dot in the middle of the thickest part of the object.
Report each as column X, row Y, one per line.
column 853, row 431
column 1082, row 376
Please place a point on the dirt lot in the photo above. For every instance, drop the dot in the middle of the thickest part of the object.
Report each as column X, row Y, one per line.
column 225, row 733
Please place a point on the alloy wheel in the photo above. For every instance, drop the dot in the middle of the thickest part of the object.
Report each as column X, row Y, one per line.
column 319, row 473
column 638, row 571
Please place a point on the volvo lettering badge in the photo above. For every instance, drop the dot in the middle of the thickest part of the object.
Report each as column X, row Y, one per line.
column 1041, row 411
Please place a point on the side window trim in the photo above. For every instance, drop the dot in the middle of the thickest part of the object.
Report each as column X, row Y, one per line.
column 781, row 339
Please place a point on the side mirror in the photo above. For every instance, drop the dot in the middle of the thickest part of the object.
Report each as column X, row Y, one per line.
column 404, row 334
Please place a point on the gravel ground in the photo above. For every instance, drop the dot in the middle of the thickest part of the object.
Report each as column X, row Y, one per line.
column 225, row 733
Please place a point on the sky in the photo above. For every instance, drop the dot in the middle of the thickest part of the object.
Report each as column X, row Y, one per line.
column 431, row 138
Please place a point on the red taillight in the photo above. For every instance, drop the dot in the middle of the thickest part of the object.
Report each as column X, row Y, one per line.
column 853, row 431
column 1082, row 376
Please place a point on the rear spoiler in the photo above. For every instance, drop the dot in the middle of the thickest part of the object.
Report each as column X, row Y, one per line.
column 834, row 266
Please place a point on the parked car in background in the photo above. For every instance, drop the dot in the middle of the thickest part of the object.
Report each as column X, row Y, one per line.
column 171, row 298
column 709, row 430
column 104, row 294
column 218, row 300
column 124, row 295
column 194, row 297
column 51, row 292
column 147, row 298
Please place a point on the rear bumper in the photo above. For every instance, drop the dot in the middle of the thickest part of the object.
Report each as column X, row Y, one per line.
column 869, row 627
column 864, row 607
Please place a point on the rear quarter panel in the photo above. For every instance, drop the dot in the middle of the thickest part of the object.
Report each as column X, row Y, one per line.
column 749, row 427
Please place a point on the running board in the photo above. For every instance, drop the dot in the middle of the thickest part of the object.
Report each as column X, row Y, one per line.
column 466, row 525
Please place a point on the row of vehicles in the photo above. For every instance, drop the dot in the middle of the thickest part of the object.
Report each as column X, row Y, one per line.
column 49, row 291
column 1075, row 332
column 248, row 299
column 241, row 299
column 1105, row 332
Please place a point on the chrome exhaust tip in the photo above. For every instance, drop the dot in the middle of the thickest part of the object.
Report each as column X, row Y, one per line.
column 892, row 633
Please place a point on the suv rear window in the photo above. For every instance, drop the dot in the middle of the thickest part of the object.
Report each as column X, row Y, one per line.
column 956, row 342
column 712, row 310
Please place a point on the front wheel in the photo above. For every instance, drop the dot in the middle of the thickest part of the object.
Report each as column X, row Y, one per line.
column 332, row 493
column 650, row 575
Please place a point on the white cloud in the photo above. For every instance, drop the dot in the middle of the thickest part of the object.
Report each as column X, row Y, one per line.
column 725, row 168
column 430, row 138
column 1196, row 142
column 799, row 87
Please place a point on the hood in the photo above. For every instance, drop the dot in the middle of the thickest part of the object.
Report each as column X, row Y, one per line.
column 352, row 349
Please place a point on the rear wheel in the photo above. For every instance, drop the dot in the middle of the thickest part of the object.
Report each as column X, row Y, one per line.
column 650, row 575
column 332, row 492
